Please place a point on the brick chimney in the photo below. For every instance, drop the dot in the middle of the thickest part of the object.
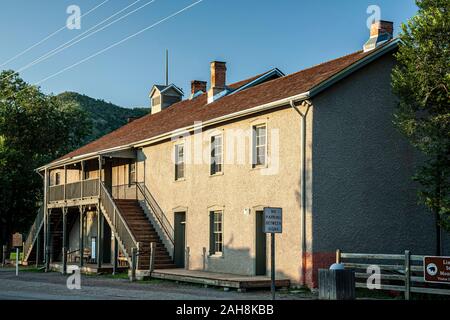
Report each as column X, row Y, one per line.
column 380, row 32
column 197, row 86
column 218, row 79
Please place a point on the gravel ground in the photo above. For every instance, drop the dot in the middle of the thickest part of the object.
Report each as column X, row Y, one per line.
column 52, row 286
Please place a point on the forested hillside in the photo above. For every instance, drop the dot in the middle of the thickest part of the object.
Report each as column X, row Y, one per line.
column 105, row 116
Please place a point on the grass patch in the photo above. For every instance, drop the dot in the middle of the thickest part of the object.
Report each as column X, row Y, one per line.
column 31, row 269
column 122, row 275
column 12, row 256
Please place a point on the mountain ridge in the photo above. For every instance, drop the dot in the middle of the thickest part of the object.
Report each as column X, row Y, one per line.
column 104, row 116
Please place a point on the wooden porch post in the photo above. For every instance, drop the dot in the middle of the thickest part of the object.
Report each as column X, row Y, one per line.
column 38, row 248
column 49, row 244
column 64, row 241
column 81, row 236
column 115, row 255
column 99, row 238
column 100, row 159
column 65, row 181
column 45, row 213
column 82, row 177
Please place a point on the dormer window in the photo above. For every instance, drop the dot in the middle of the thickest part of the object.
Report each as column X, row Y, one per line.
column 156, row 101
column 163, row 97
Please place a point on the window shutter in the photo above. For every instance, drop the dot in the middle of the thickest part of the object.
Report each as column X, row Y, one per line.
column 212, row 249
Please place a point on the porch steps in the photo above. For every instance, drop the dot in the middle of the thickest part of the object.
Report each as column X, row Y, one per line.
column 144, row 232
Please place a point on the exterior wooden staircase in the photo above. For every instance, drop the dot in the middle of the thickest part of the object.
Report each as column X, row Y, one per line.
column 144, row 233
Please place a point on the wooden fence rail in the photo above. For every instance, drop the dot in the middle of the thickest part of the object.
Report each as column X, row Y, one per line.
column 399, row 272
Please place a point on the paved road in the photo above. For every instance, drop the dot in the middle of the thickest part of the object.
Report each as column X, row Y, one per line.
column 52, row 285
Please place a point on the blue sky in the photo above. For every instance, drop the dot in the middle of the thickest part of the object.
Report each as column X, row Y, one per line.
column 252, row 36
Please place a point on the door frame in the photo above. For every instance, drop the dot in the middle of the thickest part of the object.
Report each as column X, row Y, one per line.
column 175, row 213
column 259, row 212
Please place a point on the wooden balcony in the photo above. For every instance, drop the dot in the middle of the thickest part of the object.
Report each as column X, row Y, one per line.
column 72, row 194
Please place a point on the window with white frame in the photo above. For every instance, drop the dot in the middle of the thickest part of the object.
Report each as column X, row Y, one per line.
column 259, row 145
column 216, row 154
column 216, row 233
column 179, row 161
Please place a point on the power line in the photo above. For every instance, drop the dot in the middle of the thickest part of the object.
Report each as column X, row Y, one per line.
column 111, row 46
column 49, row 36
column 118, row 43
column 71, row 42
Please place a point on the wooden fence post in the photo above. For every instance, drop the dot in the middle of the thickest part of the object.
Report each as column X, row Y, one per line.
column 133, row 264
column 152, row 257
column 407, row 274
column 338, row 256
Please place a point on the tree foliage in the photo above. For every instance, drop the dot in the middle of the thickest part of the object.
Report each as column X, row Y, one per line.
column 421, row 80
column 34, row 129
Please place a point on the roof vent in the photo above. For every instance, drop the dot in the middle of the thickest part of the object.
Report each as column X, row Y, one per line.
column 380, row 32
column 162, row 97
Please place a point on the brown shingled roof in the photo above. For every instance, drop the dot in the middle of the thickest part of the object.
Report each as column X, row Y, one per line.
column 186, row 112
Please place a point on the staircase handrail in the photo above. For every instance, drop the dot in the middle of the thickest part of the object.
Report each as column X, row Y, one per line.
column 113, row 220
column 157, row 211
column 33, row 233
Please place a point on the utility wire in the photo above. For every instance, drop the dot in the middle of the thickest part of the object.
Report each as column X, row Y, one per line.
column 49, row 36
column 119, row 42
column 71, row 42
column 112, row 46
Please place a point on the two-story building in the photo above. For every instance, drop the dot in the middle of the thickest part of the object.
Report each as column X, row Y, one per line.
column 194, row 175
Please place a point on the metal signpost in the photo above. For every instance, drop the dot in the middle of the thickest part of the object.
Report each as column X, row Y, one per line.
column 273, row 223
column 436, row 269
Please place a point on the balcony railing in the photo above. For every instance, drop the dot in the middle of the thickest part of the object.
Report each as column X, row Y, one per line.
column 73, row 191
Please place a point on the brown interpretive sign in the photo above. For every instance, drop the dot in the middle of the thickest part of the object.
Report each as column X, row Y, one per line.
column 436, row 269
column 17, row 240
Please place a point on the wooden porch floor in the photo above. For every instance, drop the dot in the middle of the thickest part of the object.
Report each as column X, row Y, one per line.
column 225, row 280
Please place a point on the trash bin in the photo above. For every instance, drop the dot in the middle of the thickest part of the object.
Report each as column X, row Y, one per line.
column 336, row 283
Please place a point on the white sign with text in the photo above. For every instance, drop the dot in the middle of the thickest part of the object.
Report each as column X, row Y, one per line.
column 273, row 220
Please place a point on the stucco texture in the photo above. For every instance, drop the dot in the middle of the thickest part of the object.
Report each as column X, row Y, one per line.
column 239, row 187
column 363, row 198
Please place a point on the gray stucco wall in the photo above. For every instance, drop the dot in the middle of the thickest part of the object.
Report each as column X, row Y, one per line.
column 363, row 196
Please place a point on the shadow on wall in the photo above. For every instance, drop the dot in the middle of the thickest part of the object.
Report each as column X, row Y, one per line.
column 233, row 261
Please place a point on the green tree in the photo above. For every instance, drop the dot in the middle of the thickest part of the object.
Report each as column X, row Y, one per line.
column 421, row 81
column 34, row 129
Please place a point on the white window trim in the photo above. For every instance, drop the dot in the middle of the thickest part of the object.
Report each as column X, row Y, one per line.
column 254, row 124
column 175, row 146
column 211, row 135
column 220, row 208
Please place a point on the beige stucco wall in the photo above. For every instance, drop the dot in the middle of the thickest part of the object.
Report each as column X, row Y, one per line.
column 239, row 187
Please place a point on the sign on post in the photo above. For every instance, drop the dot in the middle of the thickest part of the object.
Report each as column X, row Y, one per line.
column 273, row 220
column 273, row 223
column 17, row 240
column 436, row 269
